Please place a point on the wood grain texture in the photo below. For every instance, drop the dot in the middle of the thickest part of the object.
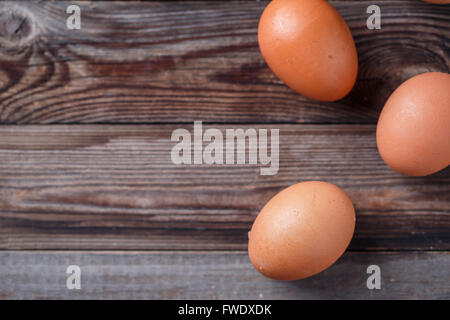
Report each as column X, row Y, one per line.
column 115, row 187
column 144, row 275
column 157, row 62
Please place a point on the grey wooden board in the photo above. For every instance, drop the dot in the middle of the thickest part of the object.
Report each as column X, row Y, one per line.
column 216, row 275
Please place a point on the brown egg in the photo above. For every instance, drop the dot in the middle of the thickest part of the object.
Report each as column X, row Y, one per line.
column 301, row 231
column 413, row 132
column 308, row 45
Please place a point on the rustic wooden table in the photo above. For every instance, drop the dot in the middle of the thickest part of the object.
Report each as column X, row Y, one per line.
column 86, row 176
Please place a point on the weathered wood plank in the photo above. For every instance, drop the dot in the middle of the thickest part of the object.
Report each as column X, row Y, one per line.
column 145, row 275
column 115, row 187
column 156, row 62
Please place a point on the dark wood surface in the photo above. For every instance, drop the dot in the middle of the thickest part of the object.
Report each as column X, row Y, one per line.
column 85, row 123
column 216, row 275
column 182, row 61
column 115, row 187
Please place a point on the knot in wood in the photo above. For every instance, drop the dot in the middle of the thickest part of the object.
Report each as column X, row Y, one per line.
column 17, row 27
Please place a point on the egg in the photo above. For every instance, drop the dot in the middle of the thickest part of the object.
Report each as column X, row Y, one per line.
column 308, row 45
column 301, row 231
column 413, row 131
